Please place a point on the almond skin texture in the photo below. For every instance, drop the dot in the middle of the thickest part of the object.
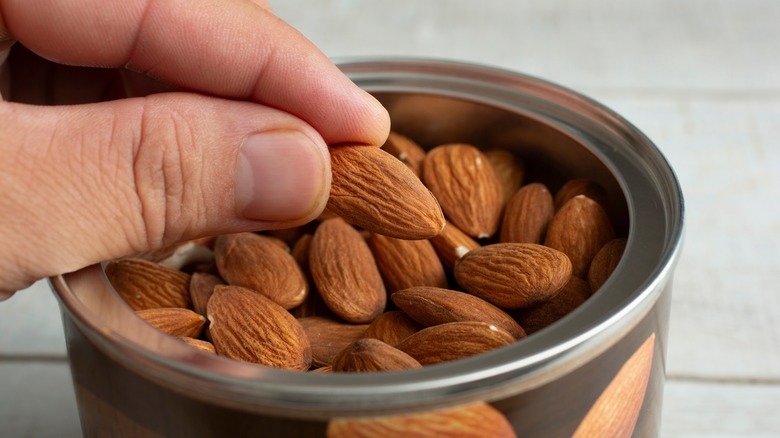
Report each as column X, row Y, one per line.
column 206, row 346
column 542, row 315
column 452, row 244
column 345, row 273
column 367, row 355
column 605, row 261
column 579, row 229
column 201, row 287
column 373, row 190
column 478, row 420
column 146, row 285
column 407, row 263
column 248, row 327
column 527, row 215
column 466, row 186
column 174, row 321
column 328, row 337
column 509, row 169
column 432, row 306
column 259, row 263
column 392, row 327
column 453, row 341
column 513, row 275
column 406, row 151
column 580, row 186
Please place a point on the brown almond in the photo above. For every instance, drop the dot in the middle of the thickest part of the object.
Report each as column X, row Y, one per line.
column 200, row 344
column 247, row 326
column 180, row 255
column 322, row 370
column 579, row 229
column 392, row 327
column 509, row 169
column 328, row 337
column 432, row 306
column 542, row 315
column 313, row 305
column 467, row 188
column 406, row 151
column 453, row 341
column 201, row 286
column 146, row 285
column 259, row 263
column 368, row 354
column 478, row 420
column 605, row 261
column 580, row 186
column 174, row 321
column 452, row 244
column 513, row 275
column 407, row 263
column 373, row 190
column 527, row 214
column 345, row 273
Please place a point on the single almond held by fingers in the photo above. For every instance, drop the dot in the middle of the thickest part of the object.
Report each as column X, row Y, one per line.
column 605, row 261
column 466, row 186
column 452, row 244
column 373, row 190
column 453, row 341
column 174, row 321
column 392, row 327
column 146, row 285
column 579, row 229
column 328, row 337
column 407, row 263
column 527, row 214
column 368, row 354
column 513, row 275
column 509, row 169
column 432, row 306
column 246, row 326
column 345, row 272
column 478, row 420
column 406, row 150
column 259, row 263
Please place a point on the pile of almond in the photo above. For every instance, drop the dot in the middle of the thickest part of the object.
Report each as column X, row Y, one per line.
column 382, row 281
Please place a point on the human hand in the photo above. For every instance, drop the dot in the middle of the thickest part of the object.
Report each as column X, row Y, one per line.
column 238, row 144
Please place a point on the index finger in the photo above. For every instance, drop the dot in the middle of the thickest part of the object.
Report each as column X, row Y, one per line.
column 230, row 48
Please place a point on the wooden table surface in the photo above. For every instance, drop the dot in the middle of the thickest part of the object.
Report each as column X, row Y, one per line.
column 700, row 78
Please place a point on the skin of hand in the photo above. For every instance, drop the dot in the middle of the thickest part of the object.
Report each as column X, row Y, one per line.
column 225, row 130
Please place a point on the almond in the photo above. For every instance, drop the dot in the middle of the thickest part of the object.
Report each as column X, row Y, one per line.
column 452, row 244
column 328, row 337
column 313, row 305
column 146, row 285
column 392, row 327
column 513, row 275
column 366, row 355
column 322, row 370
column 406, row 151
column 542, row 315
column 345, row 273
column 453, row 341
column 249, row 327
column 202, row 345
column 179, row 255
column 579, row 229
column 407, row 263
column 466, row 186
column 373, row 190
column 478, row 420
column 259, row 263
column 580, row 186
column 201, row 287
column 605, row 261
column 509, row 169
column 432, row 306
column 174, row 321
column 527, row 215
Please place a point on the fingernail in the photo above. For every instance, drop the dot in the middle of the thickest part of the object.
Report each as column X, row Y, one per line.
column 281, row 176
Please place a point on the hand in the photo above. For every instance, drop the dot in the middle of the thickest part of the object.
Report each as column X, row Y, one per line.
column 238, row 141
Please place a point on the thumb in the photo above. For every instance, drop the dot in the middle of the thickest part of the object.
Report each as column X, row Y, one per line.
column 93, row 182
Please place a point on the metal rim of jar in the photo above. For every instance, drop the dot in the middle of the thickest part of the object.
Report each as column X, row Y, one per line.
column 655, row 205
